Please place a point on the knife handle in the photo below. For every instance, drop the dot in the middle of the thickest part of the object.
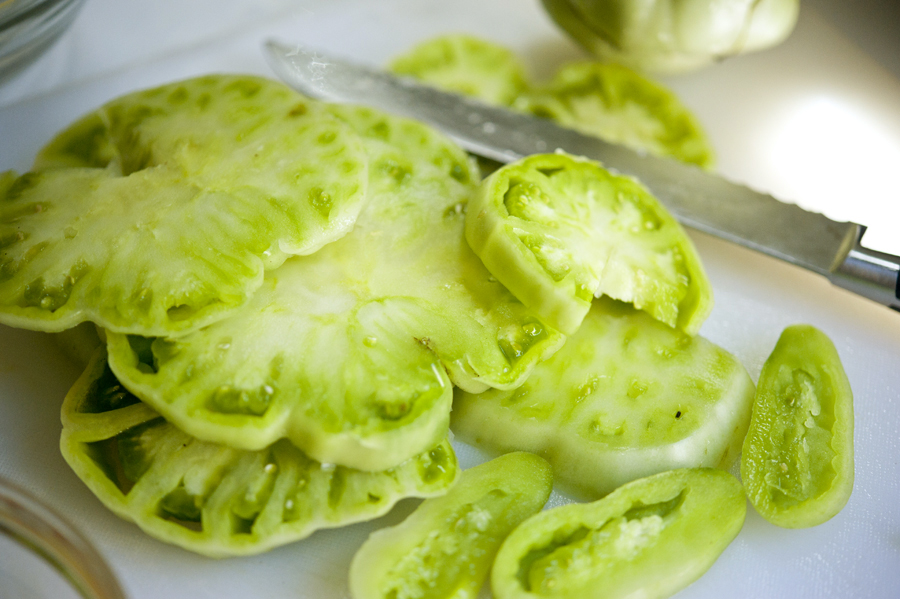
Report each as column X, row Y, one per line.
column 870, row 273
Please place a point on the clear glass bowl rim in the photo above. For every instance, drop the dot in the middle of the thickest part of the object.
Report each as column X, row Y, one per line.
column 39, row 528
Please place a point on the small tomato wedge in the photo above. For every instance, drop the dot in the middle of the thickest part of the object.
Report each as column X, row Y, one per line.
column 648, row 539
column 445, row 548
column 797, row 461
column 558, row 230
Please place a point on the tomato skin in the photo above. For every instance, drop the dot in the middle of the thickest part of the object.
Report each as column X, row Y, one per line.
column 797, row 460
column 649, row 538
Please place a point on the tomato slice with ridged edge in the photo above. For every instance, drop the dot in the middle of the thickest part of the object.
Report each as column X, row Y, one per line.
column 625, row 397
column 617, row 104
column 797, row 460
column 350, row 352
column 445, row 548
column 558, row 230
column 467, row 65
column 159, row 212
column 217, row 500
column 649, row 539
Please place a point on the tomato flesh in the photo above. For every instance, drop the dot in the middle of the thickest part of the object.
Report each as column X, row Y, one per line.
column 797, row 461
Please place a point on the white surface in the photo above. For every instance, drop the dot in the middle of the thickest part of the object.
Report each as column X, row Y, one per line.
column 24, row 575
column 802, row 120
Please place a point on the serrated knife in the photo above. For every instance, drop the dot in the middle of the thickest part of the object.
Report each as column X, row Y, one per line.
column 698, row 199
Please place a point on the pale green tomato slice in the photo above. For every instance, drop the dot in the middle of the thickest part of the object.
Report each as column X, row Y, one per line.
column 158, row 213
column 467, row 65
column 558, row 230
column 445, row 548
column 797, row 460
column 626, row 397
column 649, row 539
column 213, row 499
column 347, row 352
column 619, row 105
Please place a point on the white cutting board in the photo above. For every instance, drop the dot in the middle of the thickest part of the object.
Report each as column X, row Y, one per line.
column 814, row 119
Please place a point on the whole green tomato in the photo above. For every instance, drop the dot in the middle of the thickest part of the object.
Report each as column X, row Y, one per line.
column 674, row 36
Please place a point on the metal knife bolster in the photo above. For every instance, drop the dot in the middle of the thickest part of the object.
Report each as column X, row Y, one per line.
column 697, row 198
column 869, row 273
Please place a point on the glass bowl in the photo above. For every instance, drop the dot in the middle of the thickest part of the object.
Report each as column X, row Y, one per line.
column 29, row 27
column 61, row 562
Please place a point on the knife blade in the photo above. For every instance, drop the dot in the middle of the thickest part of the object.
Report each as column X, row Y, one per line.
column 698, row 199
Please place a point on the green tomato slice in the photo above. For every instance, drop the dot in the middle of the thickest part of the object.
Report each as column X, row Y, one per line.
column 467, row 65
column 214, row 499
column 158, row 213
column 648, row 539
column 618, row 105
column 558, row 230
column 797, row 460
column 626, row 397
column 347, row 352
column 445, row 548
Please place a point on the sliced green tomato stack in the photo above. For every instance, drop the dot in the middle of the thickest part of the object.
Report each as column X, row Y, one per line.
column 158, row 213
column 214, row 499
column 650, row 539
column 466, row 65
column 558, row 230
column 269, row 360
column 617, row 104
column 446, row 547
column 346, row 352
column 626, row 397
column 797, row 460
